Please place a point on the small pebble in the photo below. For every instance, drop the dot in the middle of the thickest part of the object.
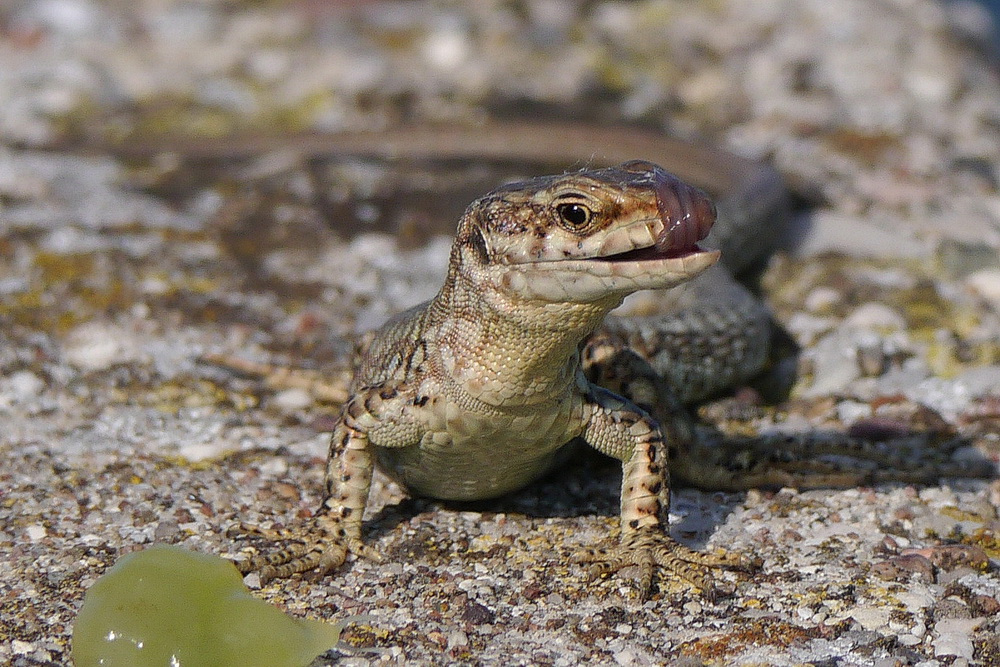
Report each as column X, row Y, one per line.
column 36, row 532
column 25, row 385
column 821, row 299
column 871, row 618
column 95, row 346
column 876, row 316
column 953, row 644
column 986, row 285
column 292, row 400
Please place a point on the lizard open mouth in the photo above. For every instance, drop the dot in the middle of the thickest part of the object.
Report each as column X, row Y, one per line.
column 650, row 253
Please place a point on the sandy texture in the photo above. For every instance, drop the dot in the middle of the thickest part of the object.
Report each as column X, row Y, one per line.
column 117, row 276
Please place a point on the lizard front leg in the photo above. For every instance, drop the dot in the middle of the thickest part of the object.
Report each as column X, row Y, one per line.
column 620, row 429
column 335, row 531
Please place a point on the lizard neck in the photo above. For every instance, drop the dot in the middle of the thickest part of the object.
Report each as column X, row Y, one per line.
column 504, row 350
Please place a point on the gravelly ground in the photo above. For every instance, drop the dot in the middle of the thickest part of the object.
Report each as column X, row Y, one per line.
column 117, row 276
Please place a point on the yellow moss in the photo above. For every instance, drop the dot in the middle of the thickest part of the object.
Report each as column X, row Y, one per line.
column 752, row 632
column 986, row 539
column 962, row 515
column 64, row 267
column 184, row 462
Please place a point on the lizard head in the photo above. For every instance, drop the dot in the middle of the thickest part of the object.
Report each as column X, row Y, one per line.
column 589, row 235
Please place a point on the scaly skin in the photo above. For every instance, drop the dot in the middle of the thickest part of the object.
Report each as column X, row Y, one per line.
column 472, row 394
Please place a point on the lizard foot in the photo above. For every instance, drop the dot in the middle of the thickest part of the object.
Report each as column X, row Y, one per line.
column 322, row 547
column 651, row 548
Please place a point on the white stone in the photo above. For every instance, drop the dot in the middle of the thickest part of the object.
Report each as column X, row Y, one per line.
column 19, row 647
column 95, row 346
column 25, row 385
column 876, row 316
column 201, row 451
column 871, row 618
column 958, row 625
column 822, row 298
column 986, row 285
column 953, row 643
column 292, row 400
column 36, row 532
column 915, row 601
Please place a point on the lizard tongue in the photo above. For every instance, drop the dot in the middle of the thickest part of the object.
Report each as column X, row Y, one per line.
column 687, row 213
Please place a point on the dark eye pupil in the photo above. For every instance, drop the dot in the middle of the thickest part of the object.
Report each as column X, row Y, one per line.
column 574, row 214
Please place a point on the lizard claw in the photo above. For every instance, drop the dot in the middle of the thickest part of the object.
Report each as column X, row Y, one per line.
column 650, row 549
column 322, row 547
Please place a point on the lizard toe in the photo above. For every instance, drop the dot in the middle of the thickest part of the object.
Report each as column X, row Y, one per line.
column 321, row 547
column 652, row 551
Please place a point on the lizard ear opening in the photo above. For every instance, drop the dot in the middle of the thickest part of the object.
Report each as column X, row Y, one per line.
column 478, row 243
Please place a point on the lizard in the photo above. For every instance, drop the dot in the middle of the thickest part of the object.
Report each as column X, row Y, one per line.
column 474, row 393
column 710, row 334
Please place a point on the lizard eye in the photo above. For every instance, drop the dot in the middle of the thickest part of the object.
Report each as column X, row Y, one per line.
column 575, row 216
